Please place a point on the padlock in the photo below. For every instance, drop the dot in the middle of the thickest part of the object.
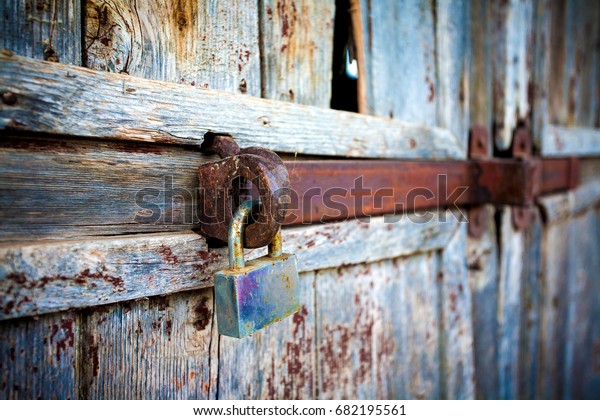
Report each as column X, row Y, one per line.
column 250, row 296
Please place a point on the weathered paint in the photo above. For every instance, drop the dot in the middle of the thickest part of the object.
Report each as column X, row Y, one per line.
column 39, row 357
column 297, row 50
column 456, row 325
column 128, row 108
column 42, row 29
column 159, row 348
column 482, row 258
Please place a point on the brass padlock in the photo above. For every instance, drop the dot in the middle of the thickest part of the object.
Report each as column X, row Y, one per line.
column 265, row 290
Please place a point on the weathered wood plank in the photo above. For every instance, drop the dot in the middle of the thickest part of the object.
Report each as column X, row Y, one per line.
column 511, row 268
column 400, row 45
column 480, row 87
column 41, row 277
column 512, row 42
column 457, row 366
column 359, row 353
column 297, row 50
column 38, row 357
column 207, row 43
column 557, row 207
column 48, row 30
column 531, row 290
column 565, row 141
column 59, row 189
column 416, row 365
column 126, row 108
column 555, row 251
column 158, row 348
column 582, row 371
column 566, row 80
column 482, row 257
column 280, row 359
column 453, row 54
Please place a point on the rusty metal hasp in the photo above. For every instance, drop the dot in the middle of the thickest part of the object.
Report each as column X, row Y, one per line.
column 250, row 296
column 225, row 183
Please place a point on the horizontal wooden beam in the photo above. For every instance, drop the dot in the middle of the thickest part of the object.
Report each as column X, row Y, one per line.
column 49, row 276
column 62, row 99
column 558, row 207
column 574, row 141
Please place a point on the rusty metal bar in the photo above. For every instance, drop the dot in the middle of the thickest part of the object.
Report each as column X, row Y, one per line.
column 328, row 190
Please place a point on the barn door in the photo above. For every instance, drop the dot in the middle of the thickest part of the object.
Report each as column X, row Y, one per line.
column 106, row 285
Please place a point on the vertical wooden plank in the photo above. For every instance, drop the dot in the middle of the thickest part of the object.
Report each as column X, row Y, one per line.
column 275, row 363
column 453, row 66
column 400, row 59
column 297, row 50
column 457, row 366
column 482, row 257
column 531, row 289
column 512, row 43
column 541, row 70
column 38, row 357
column 418, row 362
column 48, row 30
column 357, row 334
column 553, row 310
column 509, row 305
column 208, row 43
column 480, row 87
column 582, row 345
column 377, row 330
column 157, row 348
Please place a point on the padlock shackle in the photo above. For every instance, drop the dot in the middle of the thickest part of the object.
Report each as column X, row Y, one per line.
column 236, row 236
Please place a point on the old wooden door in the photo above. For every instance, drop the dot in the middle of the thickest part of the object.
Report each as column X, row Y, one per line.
column 99, row 303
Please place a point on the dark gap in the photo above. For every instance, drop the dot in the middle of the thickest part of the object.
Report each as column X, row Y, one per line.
column 344, row 92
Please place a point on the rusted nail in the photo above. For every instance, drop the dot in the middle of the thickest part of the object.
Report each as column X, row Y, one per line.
column 478, row 142
column 521, row 145
column 477, row 217
column 522, row 217
column 9, row 98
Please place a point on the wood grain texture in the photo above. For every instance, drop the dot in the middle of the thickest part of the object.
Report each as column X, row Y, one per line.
column 582, row 370
column 400, row 61
column 369, row 349
column 275, row 363
column 39, row 357
column 54, row 189
column 158, row 348
column 555, row 251
column 482, row 257
column 453, row 55
column 565, row 141
column 567, row 57
column 480, row 87
column 457, row 360
column 107, row 105
column 42, row 29
column 208, row 43
column 531, row 290
column 297, row 50
column 561, row 206
column 512, row 41
column 41, row 277
column 511, row 268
